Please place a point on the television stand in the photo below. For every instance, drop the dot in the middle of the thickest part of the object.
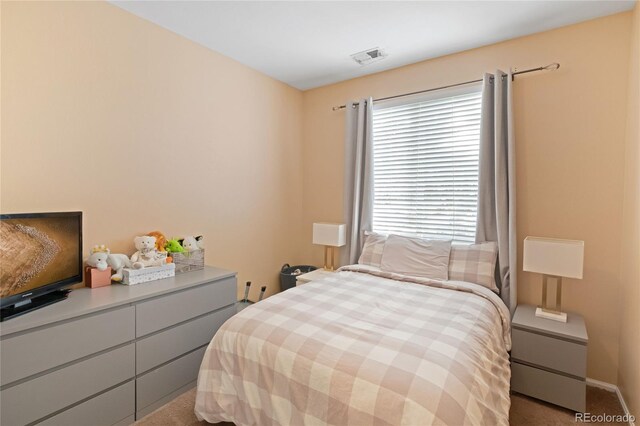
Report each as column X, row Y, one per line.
column 25, row 306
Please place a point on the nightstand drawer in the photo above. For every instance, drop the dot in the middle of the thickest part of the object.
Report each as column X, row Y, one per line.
column 554, row 388
column 549, row 352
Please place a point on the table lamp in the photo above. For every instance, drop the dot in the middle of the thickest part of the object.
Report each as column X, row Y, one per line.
column 329, row 235
column 553, row 258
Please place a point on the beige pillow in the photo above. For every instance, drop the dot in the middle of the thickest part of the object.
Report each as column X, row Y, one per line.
column 372, row 249
column 474, row 263
column 416, row 256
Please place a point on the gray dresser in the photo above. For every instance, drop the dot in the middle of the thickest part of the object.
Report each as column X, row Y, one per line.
column 549, row 358
column 113, row 354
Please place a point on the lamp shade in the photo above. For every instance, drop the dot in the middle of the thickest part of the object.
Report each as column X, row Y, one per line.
column 329, row 234
column 550, row 256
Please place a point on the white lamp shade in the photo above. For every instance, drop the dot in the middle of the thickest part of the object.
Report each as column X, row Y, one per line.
column 329, row 234
column 562, row 258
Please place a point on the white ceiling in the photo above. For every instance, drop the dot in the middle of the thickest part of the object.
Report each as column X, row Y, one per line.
column 308, row 44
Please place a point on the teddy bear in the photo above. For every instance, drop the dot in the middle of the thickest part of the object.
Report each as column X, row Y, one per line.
column 147, row 254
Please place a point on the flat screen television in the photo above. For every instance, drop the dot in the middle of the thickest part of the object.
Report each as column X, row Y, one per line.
column 40, row 255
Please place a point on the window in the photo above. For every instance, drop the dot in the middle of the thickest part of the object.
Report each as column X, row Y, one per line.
column 425, row 173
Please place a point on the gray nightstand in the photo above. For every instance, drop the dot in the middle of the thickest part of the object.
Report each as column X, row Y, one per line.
column 549, row 358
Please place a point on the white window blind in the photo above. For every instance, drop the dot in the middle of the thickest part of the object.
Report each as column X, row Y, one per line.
column 425, row 154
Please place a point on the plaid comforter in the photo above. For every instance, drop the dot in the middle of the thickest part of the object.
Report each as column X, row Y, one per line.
column 362, row 347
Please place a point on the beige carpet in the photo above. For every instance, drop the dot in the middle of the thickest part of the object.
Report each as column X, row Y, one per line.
column 524, row 411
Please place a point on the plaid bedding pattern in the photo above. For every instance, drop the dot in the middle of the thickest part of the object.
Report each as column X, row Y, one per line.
column 474, row 263
column 362, row 348
column 372, row 249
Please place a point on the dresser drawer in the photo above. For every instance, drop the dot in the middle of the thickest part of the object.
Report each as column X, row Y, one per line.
column 551, row 387
column 168, row 344
column 39, row 397
column 550, row 352
column 40, row 350
column 105, row 409
column 165, row 311
column 162, row 381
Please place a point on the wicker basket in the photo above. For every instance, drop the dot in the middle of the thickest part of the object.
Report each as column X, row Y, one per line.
column 188, row 261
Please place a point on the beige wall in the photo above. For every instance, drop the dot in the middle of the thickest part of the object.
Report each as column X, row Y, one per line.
column 629, row 364
column 142, row 129
column 100, row 108
column 570, row 131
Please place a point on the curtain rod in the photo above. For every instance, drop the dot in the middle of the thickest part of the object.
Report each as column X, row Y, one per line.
column 551, row 67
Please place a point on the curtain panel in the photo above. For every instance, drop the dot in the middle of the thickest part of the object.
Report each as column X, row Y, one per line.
column 358, row 177
column 496, row 220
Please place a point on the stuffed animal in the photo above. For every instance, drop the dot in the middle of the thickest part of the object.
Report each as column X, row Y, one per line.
column 98, row 256
column 190, row 244
column 101, row 257
column 173, row 246
column 161, row 240
column 200, row 241
column 118, row 262
column 147, row 255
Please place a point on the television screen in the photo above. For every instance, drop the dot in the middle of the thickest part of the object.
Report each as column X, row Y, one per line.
column 39, row 251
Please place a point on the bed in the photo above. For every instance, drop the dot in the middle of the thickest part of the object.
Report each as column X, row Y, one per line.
column 362, row 346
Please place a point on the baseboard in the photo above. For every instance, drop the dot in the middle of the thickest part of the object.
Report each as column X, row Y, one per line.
column 612, row 388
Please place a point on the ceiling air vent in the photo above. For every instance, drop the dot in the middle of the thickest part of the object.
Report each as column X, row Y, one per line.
column 368, row 56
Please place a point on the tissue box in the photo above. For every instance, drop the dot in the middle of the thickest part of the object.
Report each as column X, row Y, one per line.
column 188, row 261
column 94, row 278
column 137, row 276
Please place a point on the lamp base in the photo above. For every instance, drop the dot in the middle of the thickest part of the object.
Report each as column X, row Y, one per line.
column 544, row 311
column 552, row 315
column 329, row 259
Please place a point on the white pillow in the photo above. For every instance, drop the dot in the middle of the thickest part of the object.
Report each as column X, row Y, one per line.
column 372, row 249
column 416, row 256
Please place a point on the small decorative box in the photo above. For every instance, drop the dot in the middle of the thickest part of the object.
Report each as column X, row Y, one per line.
column 188, row 261
column 137, row 276
column 94, row 278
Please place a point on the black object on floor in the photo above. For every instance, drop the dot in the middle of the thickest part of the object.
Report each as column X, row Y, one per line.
column 288, row 274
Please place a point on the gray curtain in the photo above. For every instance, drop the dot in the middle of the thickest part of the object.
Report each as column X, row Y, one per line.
column 497, row 181
column 358, row 178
